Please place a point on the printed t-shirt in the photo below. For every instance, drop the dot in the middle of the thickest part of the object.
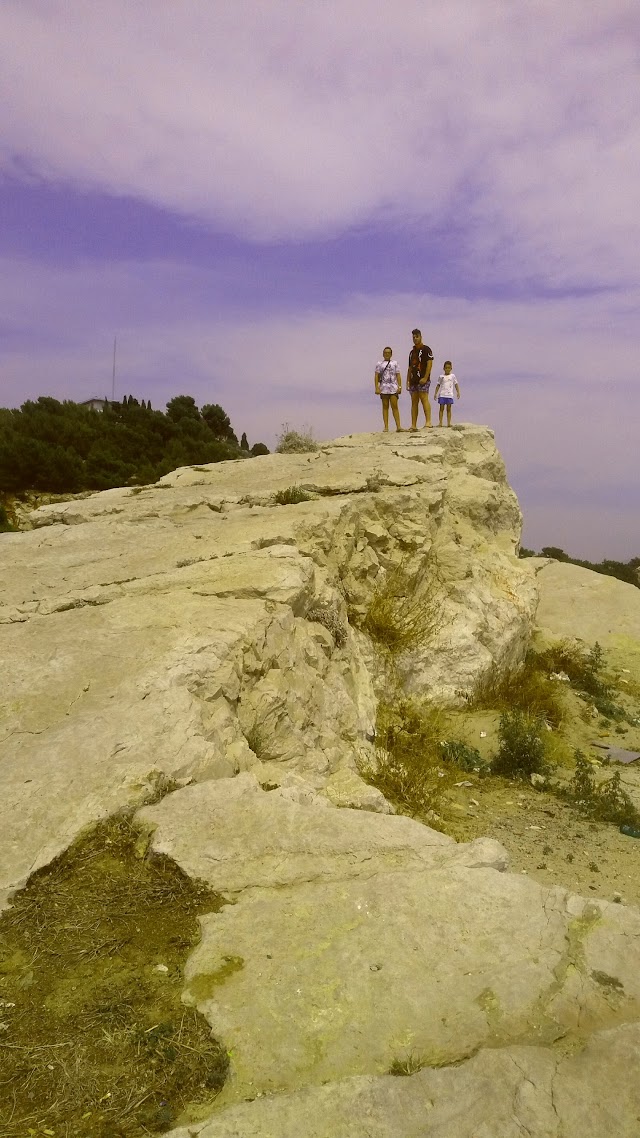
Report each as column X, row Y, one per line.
column 418, row 361
column 447, row 385
column 388, row 376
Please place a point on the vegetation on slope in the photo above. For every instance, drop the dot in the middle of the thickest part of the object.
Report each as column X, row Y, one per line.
column 64, row 448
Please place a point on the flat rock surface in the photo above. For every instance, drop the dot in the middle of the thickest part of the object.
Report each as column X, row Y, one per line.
column 317, row 981
column 505, row 1092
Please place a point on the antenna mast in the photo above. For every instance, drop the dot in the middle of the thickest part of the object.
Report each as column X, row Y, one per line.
column 113, row 376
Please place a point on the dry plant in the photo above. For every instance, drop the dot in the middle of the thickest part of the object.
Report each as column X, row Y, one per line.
column 405, row 611
column 96, row 1042
column 408, row 766
column 291, row 441
column 527, row 688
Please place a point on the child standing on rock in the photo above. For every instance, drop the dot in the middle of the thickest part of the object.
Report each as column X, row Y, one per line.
column 447, row 383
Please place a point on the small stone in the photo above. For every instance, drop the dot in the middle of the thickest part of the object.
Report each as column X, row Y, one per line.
column 161, row 968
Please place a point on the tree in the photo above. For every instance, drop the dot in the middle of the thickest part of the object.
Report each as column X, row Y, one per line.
column 182, row 407
column 217, row 420
column 553, row 551
column 244, row 441
column 259, row 448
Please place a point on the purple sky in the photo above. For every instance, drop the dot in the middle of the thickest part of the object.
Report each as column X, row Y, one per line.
column 256, row 198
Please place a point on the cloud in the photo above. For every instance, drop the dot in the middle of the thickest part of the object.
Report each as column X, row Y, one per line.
column 515, row 126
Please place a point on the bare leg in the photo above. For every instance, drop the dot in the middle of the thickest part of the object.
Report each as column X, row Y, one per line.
column 426, row 407
column 395, row 412
column 385, row 411
column 448, row 414
column 415, row 398
column 440, row 414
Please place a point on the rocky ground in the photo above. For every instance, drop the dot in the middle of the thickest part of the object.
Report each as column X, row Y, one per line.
column 191, row 697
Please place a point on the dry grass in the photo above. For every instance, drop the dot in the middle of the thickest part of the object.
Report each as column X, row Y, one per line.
column 97, row 1043
column 528, row 689
column 404, row 613
column 408, row 767
column 291, row 496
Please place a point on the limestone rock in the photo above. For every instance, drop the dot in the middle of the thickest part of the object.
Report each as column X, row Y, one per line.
column 341, row 978
column 505, row 1092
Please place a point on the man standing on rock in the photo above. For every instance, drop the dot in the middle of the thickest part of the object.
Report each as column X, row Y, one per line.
column 419, row 378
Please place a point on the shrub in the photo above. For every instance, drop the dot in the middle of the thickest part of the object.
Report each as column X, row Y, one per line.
column 401, row 615
column 606, row 802
column 583, row 668
column 522, row 749
column 291, row 496
column 466, row 758
column 407, row 766
column 295, row 442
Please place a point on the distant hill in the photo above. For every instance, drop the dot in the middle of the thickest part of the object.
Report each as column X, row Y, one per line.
column 628, row 571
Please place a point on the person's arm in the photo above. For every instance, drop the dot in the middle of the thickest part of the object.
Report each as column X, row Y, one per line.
column 376, row 381
column 399, row 379
column 427, row 374
column 457, row 390
column 435, row 394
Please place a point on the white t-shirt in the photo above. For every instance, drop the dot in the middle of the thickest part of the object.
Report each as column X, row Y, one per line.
column 388, row 375
column 447, row 385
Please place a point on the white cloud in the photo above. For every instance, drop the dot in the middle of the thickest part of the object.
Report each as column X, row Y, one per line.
column 283, row 121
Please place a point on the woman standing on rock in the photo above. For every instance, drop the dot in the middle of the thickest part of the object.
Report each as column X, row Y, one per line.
column 388, row 385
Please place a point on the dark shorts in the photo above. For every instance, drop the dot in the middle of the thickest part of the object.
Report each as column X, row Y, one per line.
column 444, row 402
column 420, row 388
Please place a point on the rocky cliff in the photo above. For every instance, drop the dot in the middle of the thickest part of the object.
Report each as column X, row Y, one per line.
column 203, row 641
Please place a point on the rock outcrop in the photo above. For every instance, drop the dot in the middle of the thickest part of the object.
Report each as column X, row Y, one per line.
column 196, row 641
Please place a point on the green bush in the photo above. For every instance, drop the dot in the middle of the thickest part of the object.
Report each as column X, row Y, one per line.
column 522, row 748
column 291, row 496
column 466, row 758
column 5, row 524
column 604, row 802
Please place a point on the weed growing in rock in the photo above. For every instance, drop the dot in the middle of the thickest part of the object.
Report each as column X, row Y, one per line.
column 329, row 617
column 96, row 1042
column 603, row 802
column 401, row 614
column 291, row 496
column 521, row 752
column 407, row 1066
column 295, row 442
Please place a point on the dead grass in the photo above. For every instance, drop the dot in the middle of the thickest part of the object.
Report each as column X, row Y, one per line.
column 404, row 613
column 528, row 689
column 97, row 1042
